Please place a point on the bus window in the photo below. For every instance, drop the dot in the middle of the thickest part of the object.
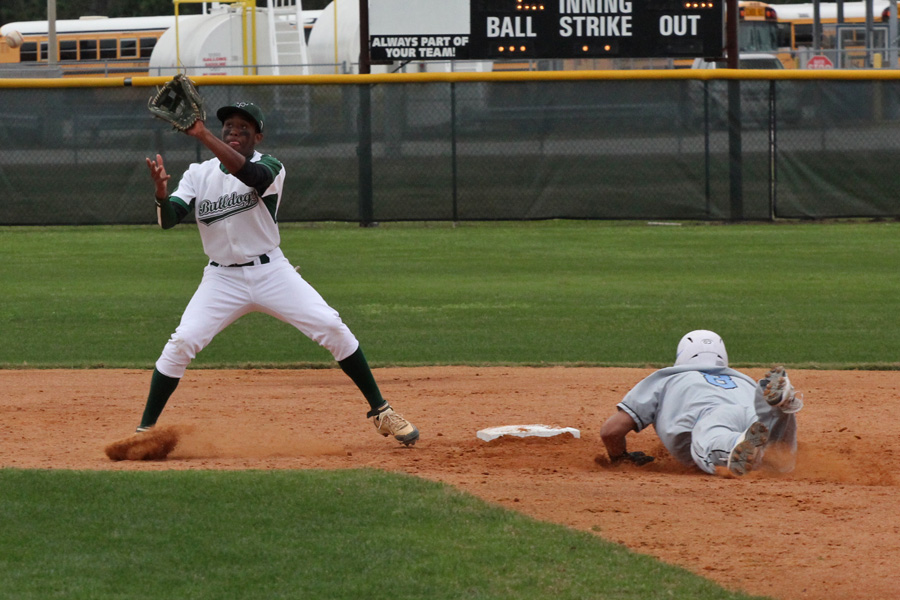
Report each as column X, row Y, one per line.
column 803, row 35
column 68, row 50
column 128, row 48
column 28, row 52
column 44, row 51
column 108, row 49
column 147, row 45
column 87, row 49
column 784, row 35
column 758, row 36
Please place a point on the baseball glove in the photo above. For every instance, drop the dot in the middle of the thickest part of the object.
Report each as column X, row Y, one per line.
column 178, row 102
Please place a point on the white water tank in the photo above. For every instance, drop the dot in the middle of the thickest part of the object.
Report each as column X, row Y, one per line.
column 213, row 44
column 327, row 57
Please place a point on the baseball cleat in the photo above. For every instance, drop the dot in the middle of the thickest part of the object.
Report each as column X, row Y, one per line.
column 143, row 428
column 748, row 452
column 387, row 422
column 778, row 391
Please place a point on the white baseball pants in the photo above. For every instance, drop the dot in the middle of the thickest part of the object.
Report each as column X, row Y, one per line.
column 227, row 293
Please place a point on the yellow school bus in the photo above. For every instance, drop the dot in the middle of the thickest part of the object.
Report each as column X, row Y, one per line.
column 91, row 46
column 757, row 30
column 87, row 47
column 795, row 31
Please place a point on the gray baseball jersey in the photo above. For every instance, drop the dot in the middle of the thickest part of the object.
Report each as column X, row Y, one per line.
column 699, row 411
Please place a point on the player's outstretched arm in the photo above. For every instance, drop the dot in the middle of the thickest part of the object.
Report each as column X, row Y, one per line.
column 159, row 176
column 165, row 212
column 613, row 434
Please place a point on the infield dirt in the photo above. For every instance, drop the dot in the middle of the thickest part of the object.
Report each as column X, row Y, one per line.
column 827, row 531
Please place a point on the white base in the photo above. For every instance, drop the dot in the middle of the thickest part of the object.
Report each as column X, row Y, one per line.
column 492, row 433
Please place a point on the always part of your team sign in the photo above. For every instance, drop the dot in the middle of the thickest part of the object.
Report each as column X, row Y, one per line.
column 492, row 29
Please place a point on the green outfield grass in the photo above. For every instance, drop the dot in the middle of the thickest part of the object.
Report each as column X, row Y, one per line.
column 300, row 534
column 592, row 293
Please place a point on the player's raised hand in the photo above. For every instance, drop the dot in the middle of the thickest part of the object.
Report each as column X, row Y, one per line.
column 158, row 170
column 159, row 176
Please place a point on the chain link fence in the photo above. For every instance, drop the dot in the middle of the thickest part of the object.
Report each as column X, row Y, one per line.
column 478, row 149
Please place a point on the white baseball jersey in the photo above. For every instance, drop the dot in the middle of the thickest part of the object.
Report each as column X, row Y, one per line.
column 699, row 411
column 237, row 223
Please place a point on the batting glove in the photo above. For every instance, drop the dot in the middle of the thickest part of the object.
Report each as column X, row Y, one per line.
column 638, row 458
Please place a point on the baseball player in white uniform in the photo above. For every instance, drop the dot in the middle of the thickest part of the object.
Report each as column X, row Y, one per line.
column 235, row 197
column 706, row 413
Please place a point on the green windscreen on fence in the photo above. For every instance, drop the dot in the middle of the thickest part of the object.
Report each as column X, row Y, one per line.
column 479, row 150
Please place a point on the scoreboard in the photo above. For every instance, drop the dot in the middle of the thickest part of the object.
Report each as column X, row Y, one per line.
column 495, row 29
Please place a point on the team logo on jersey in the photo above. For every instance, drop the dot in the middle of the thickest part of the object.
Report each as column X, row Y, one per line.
column 209, row 211
column 722, row 381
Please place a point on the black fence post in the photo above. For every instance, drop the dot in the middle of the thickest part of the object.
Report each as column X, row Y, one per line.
column 773, row 148
column 706, row 152
column 735, row 150
column 453, row 166
column 364, row 156
column 735, row 165
column 364, row 151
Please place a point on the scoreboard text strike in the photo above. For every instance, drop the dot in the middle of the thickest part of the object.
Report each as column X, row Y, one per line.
column 561, row 29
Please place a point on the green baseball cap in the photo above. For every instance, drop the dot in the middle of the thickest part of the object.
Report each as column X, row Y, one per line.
column 246, row 109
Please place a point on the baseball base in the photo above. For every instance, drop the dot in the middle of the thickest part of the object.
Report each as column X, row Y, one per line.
column 493, row 433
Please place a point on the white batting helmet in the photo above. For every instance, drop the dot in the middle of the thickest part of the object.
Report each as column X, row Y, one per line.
column 701, row 347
